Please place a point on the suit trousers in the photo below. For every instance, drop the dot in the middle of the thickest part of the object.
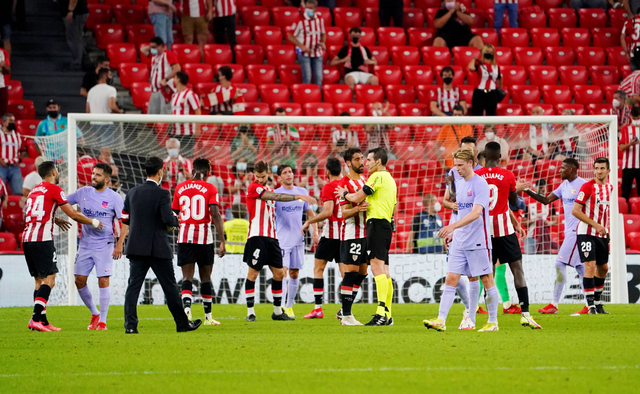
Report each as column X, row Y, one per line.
column 163, row 268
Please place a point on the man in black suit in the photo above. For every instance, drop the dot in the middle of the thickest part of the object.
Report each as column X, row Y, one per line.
column 147, row 211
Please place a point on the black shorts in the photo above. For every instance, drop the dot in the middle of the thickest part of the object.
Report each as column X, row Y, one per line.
column 41, row 258
column 592, row 248
column 353, row 251
column 379, row 234
column 460, row 39
column 506, row 249
column 328, row 250
column 261, row 251
column 195, row 253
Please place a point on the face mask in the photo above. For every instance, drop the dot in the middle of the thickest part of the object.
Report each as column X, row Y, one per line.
column 490, row 135
column 437, row 207
column 173, row 152
column 447, row 80
column 375, row 112
column 635, row 122
column 154, row 51
column 52, row 114
column 274, row 169
column 314, row 208
column 309, row 12
column 355, row 39
column 488, row 56
column 241, row 166
column 450, row 5
column 615, row 103
column 11, row 126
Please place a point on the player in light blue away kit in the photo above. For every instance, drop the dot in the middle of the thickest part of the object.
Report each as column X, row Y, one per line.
column 98, row 248
column 289, row 232
column 470, row 250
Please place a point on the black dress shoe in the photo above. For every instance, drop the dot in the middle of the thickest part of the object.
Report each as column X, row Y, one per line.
column 131, row 331
column 192, row 326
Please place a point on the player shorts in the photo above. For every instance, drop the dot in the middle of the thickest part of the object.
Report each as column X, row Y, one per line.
column 293, row 258
column 469, row 262
column 379, row 234
column 592, row 248
column 192, row 25
column 99, row 257
column 353, row 251
column 195, row 253
column 328, row 250
column 41, row 258
column 360, row 77
column 506, row 249
column 260, row 251
column 568, row 253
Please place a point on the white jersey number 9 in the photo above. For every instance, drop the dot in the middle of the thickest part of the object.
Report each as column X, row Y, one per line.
column 493, row 196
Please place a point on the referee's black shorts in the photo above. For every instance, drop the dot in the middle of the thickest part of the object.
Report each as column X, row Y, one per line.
column 189, row 253
column 41, row 258
column 379, row 234
column 506, row 250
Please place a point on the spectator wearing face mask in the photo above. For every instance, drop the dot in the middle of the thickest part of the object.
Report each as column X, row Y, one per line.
column 447, row 96
column 629, row 147
column 90, row 78
column 177, row 168
column 491, row 136
column 357, row 60
column 164, row 66
column 423, row 237
column 485, row 96
column 13, row 151
column 453, row 26
column 621, row 109
column 56, row 123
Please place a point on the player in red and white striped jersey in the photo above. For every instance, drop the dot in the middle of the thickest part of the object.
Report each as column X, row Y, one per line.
column 198, row 204
column 631, row 86
column 446, row 96
column 329, row 245
column 225, row 99
column 164, row 66
column 592, row 209
column 309, row 36
column 262, row 247
column 37, row 238
column 506, row 247
column 629, row 145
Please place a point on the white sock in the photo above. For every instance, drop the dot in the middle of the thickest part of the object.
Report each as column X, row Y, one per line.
column 558, row 285
column 506, row 305
column 277, row 310
column 492, row 304
column 251, row 311
column 293, row 291
column 474, row 290
column 463, row 292
column 105, row 297
column 85, row 295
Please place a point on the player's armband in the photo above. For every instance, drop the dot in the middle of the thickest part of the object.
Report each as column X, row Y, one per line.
column 368, row 190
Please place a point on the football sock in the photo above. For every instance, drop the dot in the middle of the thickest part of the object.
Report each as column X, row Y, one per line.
column 187, row 294
column 85, row 295
column 589, row 289
column 463, row 292
column 561, row 279
column 357, row 284
column 293, row 291
column 34, row 294
column 40, row 304
column 474, row 289
column 501, row 284
column 318, row 291
column 523, row 298
column 492, row 304
column 599, row 287
column 285, row 282
column 580, row 271
column 249, row 293
column 382, row 288
column 346, row 292
column 276, row 290
column 448, row 295
column 206, row 291
column 480, row 291
column 389, row 297
column 105, row 297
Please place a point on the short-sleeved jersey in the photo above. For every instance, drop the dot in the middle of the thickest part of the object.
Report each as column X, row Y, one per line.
column 475, row 235
column 501, row 182
column 192, row 199
column 332, row 226
column 261, row 212
column 289, row 218
column 161, row 68
column 105, row 206
column 568, row 191
column 456, row 176
column 354, row 227
column 595, row 199
column 184, row 103
column 40, row 210
column 384, row 198
column 631, row 156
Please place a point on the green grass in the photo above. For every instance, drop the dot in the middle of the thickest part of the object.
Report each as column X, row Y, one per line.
column 586, row 354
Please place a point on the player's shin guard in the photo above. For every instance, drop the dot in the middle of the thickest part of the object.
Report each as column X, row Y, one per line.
column 382, row 288
column 463, row 292
column 523, row 298
column 187, row 293
column 249, row 293
column 474, row 290
column 589, row 289
column 448, row 295
column 105, row 297
column 597, row 292
column 492, row 304
column 561, row 279
column 318, row 291
column 346, row 292
column 389, row 297
column 40, row 304
column 276, row 290
column 501, row 284
column 206, row 291
column 292, row 291
column 85, row 296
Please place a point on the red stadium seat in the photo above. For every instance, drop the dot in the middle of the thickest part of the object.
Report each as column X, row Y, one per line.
column 435, row 56
column 479, row 17
column 27, row 126
column 129, row 14
column 430, row 14
column 573, row 75
column 243, row 35
column 280, row 54
column 121, row 53
column 466, row 93
column 216, row 54
column 422, row 4
column 337, row 94
column 419, row 168
column 417, row 75
column 521, row 168
column 514, row 37
column 367, row 94
column 605, row 37
column 335, row 36
column 388, row 74
column 604, row 75
column 14, row 90
column 526, row 56
column 255, row 16
column 108, row 33
column 393, row 111
column 133, row 72
column 575, row 37
column 318, row 109
column 396, row 168
column 562, row 17
column 458, row 74
column 513, row 75
column 347, row 17
column 381, row 54
column 590, row 56
column 543, row 75
column 306, row 93
column 509, row 110
column 257, row 109
column 274, row 93
column 560, row 56
column 488, row 35
column 372, row 17
column 625, row 70
column 547, row 108
column 98, row 14
column 391, row 36
column 556, row 94
column 292, row 109
column 592, row 17
column 354, row 109
column 598, row 109
column 413, row 17
column 530, row 20
column 249, row 91
column 608, row 92
column 425, row 93
column 267, row 35
column 273, row 3
column 463, row 55
column 367, row 37
column 578, row 109
column 543, row 37
column 587, row 94
column 22, row 109
column 398, row 94
column 187, row 53
column 249, row 54
column 408, row 150
column 198, row 72
column 408, row 109
column 420, row 36
column 634, row 203
column 365, row 3
column 402, row 56
column 204, row 88
column 260, row 74
column 238, row 71
column 330, row 75
column 7, row 242
column 548, row 168
column 140, row 34
column 618, row 17
column 504, row 56
column 140, row 94
column 525, row 94
column 285, row 17
column 616, row 56
column 631, row 225
column 632, row 242
column 289, row 74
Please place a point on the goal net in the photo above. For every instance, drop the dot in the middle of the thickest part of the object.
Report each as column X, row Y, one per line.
column 420, row 156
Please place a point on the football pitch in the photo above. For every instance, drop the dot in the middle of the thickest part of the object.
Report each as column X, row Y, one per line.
column 586, row 354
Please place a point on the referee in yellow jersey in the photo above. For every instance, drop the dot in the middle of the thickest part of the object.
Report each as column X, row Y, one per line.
column 380, row 191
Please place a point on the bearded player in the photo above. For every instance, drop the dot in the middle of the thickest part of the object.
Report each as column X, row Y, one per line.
column 262, row 247
column 197, row 202
column 504, row 225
